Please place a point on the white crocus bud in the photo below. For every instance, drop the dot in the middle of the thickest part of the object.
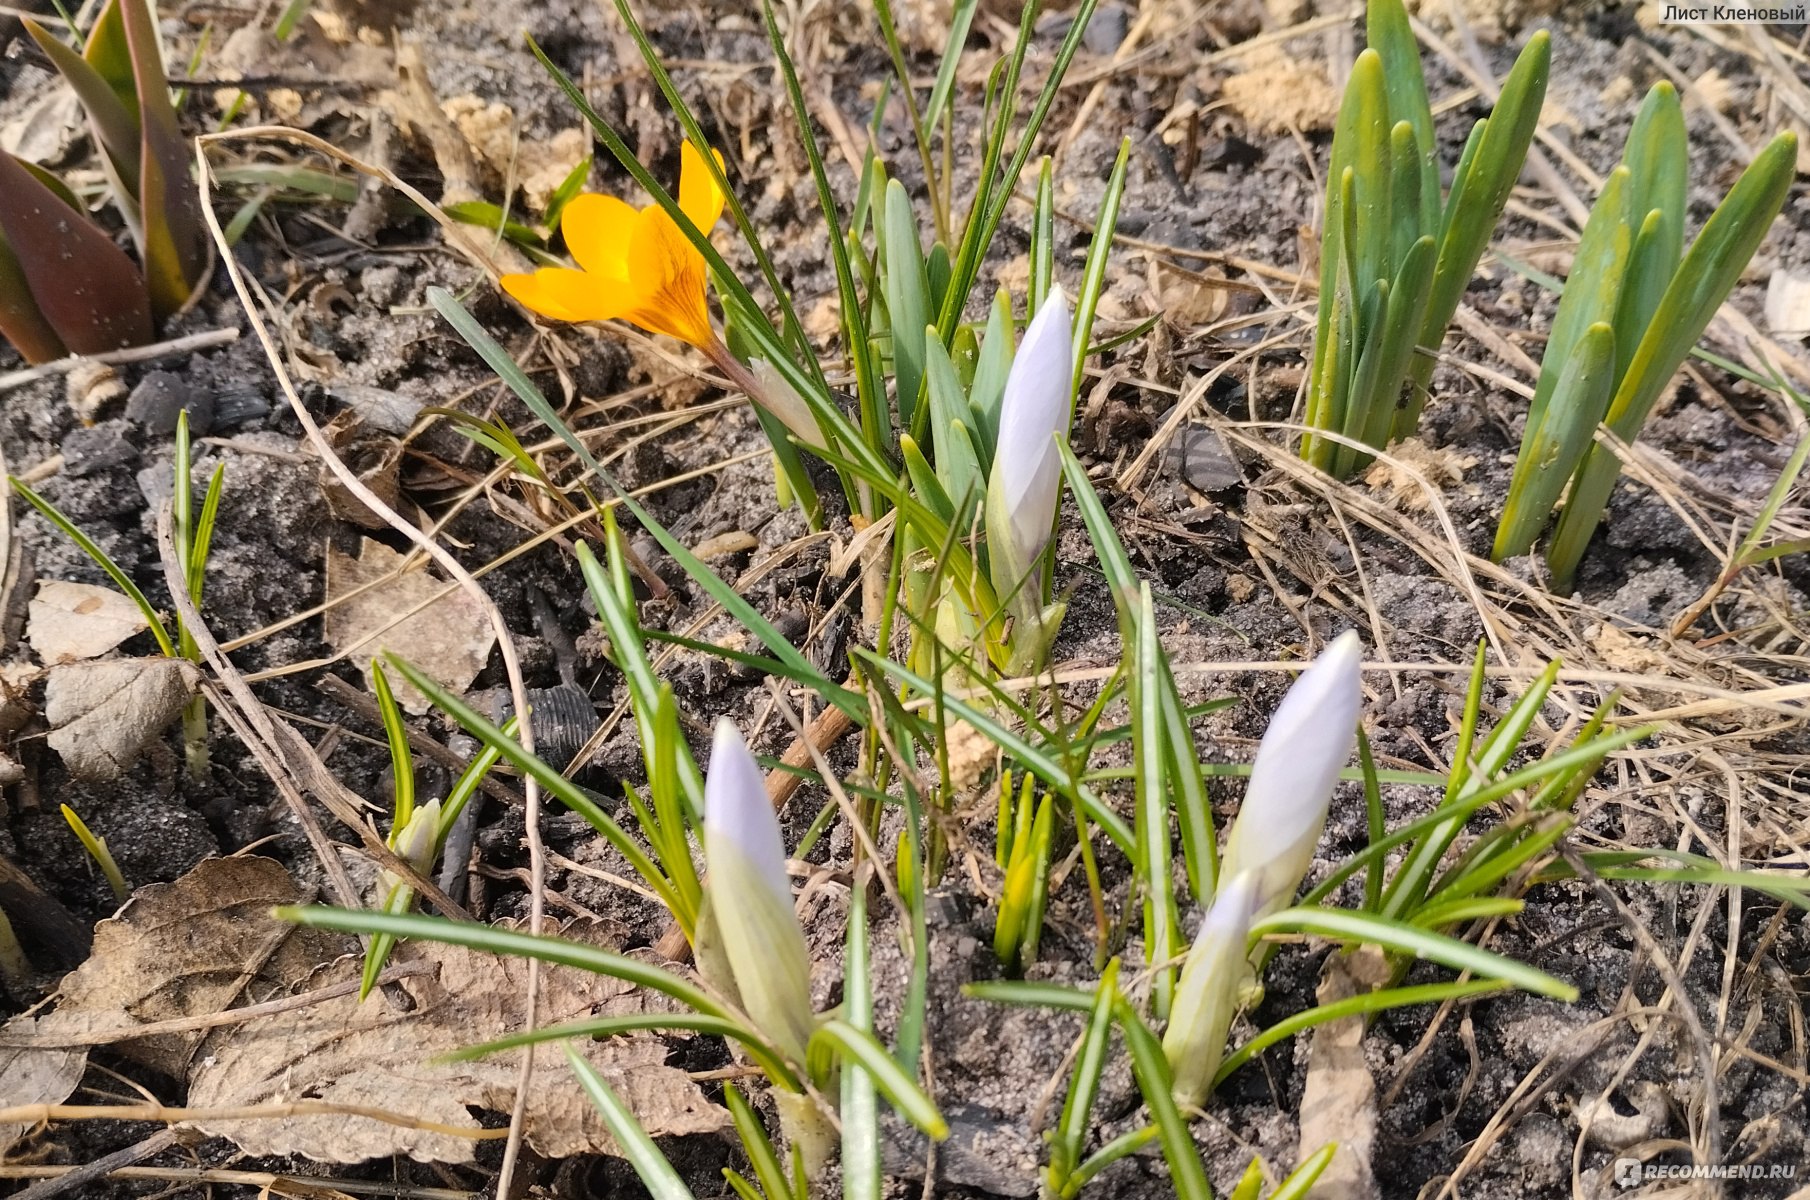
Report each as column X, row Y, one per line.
column 1207, row 995
column 1026, row 478
column 783, row 401
column 1307, row 744
column 750, row 900
column 416, row 845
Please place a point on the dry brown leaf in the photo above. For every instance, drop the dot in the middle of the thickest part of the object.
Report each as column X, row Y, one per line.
column 1435, row 465
column 538, row 166
column 102, row 714
column 371, row 1054
column 1338, row 1099
column 179, row 949
column 71, row 621
column 449, row 639
column 1189, row 299
column 1623, row 651
column 30, row 1076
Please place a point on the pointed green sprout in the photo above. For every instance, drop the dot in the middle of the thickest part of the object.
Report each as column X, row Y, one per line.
column 1394, row 263
column 1631, row 312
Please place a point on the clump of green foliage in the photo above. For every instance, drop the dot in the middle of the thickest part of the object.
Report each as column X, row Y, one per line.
column 65, row 287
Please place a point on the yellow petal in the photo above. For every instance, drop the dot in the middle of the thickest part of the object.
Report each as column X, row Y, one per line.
column 668, row 281
column 597, row 230
column 699, row 196
column 566, row 295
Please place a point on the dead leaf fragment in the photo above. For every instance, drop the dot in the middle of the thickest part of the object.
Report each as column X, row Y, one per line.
column 181, row 949
column 1412, row 465
column 1338, row 1100
column 71, row 621
column 370, row 1054
column 178, row 949
column 435, row 625
column 29, row 1076
column 102, row 714
column 1189, row 299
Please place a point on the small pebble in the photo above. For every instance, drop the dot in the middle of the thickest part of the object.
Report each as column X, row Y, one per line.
column 160, row 396
column 238, row 406
column 97, row 448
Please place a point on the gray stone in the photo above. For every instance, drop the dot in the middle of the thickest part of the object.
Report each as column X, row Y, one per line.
column 160, row 396
column 97, row 448
column 1201, row 459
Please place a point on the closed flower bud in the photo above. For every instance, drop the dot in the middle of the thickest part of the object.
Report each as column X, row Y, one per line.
column 1307, row 744
column 1206, row 998
column 783, row 401
column 749, row 900
column 1026, row 477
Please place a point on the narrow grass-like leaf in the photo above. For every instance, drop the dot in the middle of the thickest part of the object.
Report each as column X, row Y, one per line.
column 1703, row 280
column 1473, row 800
column 402, row 759
column 1123, row 1146
column 996, row 187
column 755, row 1143
column 1043, row 236
column 1346, row 926
column 1301, row 1180
column 851, row 311
column 492, row 940
column 719, row 590
column 759, row 1052
column 1152, row 864
column 650, row 1166
column 1070, row 1135
column 1151, row 1069
column 556, row 784
column 1361, row 1005
column 101, row 559
column 1046, row 768
column 97, row 850
column 861, row 1170
column 1093, row 272
column 859, row 1050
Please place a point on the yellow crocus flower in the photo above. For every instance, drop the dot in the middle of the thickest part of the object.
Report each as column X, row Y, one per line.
column 633, row 265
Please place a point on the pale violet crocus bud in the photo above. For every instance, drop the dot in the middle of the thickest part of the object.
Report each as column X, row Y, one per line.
column 1307, row 744
column 1206, row 998
column 1026, row 477
column 749, row 901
